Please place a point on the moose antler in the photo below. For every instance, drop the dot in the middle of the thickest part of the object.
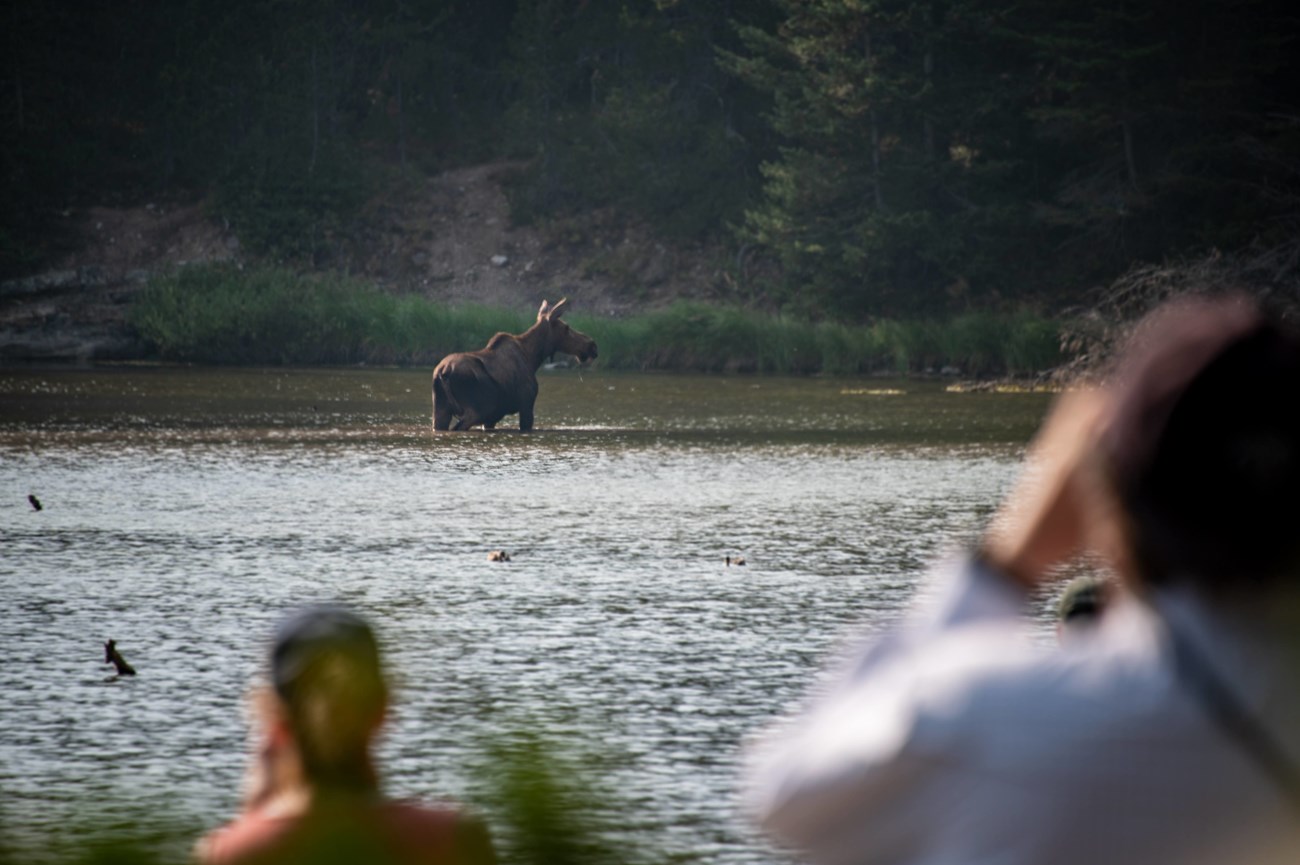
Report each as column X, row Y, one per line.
column 547, row 311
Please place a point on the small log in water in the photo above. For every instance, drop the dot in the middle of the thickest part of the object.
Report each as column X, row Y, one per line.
column 114, row 657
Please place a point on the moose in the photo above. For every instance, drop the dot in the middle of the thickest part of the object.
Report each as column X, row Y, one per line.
column 481, row 387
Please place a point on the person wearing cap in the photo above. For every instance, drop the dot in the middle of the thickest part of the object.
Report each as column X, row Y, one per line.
column 313, row 794
column 1176, row 737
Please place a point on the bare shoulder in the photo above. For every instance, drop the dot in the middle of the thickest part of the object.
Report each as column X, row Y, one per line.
column 440, row 833
column 249, row 838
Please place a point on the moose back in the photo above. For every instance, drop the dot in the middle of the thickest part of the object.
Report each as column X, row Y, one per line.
column 479, row 388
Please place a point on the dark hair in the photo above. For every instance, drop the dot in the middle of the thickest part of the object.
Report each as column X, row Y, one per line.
column 1204, row 446
column 325, row 666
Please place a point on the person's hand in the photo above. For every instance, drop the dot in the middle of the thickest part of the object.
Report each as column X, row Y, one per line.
column 274, row 773
column 1047, row 518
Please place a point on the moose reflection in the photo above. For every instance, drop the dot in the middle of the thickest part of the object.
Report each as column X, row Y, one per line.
column 481, row 387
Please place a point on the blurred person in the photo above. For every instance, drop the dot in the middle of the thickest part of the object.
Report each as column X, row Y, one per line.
column 313, row 792
column 1176, row 737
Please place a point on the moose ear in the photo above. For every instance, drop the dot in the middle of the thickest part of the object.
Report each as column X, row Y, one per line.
column 558, row 308
column 541, row 313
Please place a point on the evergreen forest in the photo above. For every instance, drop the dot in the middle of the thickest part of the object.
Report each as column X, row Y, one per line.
column 857, row 158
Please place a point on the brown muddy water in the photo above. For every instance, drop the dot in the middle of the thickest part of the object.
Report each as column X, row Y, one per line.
column 185, row 510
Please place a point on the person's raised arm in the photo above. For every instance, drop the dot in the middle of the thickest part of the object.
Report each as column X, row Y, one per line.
column 1056, row 507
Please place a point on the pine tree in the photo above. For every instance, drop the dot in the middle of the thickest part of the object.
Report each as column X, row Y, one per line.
column 890, row 192
column 624, row 104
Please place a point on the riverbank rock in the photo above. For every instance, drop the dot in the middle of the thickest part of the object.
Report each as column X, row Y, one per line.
column 74, row 315
column 77, row 311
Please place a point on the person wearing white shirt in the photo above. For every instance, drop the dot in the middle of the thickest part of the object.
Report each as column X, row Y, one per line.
column 1168, row 734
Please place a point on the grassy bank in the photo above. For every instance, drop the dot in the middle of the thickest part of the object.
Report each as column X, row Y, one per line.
column 699, row 337
column 219, row 314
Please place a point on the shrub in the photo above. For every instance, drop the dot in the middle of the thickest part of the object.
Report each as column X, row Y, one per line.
column 222, row 314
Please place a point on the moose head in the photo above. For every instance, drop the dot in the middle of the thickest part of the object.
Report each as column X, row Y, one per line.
column 561, row 337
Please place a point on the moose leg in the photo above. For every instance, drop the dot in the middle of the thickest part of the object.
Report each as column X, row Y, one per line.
column 470, row 419
column 441, row 413
column 442, row 405
column 526, row 418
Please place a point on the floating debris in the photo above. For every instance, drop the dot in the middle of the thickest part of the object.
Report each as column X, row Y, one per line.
column 35, row 502
column 739, row 561
column 114, row 657
column 498, row 556
column 1005, row 387
column 872, row 391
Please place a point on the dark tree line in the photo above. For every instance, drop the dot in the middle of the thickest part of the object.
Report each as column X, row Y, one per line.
column 973, row 150
column 277, row 110
column 862, row 156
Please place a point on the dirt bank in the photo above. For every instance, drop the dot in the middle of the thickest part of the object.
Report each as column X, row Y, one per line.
column 448, row 237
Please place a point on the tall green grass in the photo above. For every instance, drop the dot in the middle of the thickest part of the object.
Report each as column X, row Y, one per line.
column 544, row 803
column 221, row 314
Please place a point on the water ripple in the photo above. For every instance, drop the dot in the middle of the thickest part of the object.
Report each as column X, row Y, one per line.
column 183, row 526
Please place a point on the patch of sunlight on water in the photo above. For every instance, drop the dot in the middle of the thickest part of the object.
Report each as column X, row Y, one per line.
column 187, row 509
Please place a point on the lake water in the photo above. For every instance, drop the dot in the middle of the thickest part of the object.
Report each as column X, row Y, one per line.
column 185, row 510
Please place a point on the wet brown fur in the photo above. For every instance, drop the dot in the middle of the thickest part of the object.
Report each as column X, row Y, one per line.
column 479, row 388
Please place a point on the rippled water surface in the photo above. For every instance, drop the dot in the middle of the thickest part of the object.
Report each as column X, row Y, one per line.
column 186, row 509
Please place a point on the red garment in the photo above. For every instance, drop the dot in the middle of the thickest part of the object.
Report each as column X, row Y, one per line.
column 387, row 832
